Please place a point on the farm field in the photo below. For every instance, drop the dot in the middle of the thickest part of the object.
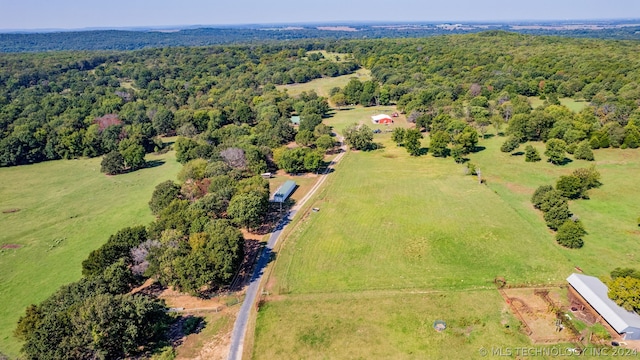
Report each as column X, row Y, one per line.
column 400, row 242
column 67, row 209
column 323, row 85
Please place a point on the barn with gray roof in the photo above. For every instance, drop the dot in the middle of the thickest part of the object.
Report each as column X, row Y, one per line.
column 594, row 293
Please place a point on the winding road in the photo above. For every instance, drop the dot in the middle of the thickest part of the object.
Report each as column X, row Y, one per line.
column 240, row 326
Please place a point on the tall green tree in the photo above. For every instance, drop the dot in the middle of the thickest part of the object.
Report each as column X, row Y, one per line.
column 398, row 135
column 248, row 210
column 556, row 151
column 570, row 234
column 411, row 141
column 583, row 151
column 359, row 137
column 163, row 122
column 163, row 195
column 112, row 163
column 133, row 156
column 439, row 142
column 625, row 291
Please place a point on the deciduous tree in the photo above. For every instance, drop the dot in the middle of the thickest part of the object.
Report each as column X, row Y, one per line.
column 412, row 141
column 556, row 151
column 112, row 163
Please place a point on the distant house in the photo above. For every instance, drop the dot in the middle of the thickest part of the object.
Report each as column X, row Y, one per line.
column 295, row 120
column 382, row 119
column 591, row 293
column 283, row 192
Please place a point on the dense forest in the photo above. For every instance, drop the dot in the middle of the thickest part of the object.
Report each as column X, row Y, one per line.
column 133, row 40
column 66, row 105
column 233, row 124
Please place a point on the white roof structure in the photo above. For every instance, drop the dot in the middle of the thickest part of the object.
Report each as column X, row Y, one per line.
column 595, row 292
column 379, row 117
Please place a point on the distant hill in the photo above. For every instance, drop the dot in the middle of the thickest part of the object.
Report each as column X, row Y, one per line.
column 140, row 39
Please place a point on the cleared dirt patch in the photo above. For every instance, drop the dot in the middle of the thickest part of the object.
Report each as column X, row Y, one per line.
column 10, row 246
column 518, row 189
column 537, row 314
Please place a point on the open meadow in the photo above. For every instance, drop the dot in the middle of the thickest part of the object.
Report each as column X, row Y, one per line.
column 323, row 85
column 571, row 104
column 400, row 242
column 67, row 208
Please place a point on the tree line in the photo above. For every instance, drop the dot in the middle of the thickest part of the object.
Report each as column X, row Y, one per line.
column 136, row 40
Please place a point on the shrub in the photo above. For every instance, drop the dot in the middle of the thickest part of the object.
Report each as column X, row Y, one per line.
column 570, row 186
column 556, row 216
column 538, row 195
column 570, row 234
column 531, row 154
column 112, row 163
column 510, row 144
column 584, row 152
column 556, row 150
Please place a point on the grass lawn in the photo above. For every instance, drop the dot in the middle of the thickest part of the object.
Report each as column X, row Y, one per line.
column 323, row 85
column 384, row 326
column 67, row 209
column 400, row 242
column 573, row 105
column 340, row 119
column 389, row 221
column 609, row 216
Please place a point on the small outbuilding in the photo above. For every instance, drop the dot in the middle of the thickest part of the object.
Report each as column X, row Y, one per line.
column 382, row 119
column 295, row 120
column 284, row 191
column 593, row 293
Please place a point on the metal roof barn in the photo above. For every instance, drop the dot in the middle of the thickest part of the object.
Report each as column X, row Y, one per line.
column 595, row 292
column 284, row 191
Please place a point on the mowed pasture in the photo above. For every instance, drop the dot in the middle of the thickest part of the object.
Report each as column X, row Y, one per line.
column 322, row 86
column 390, row 221
column 609, row 216
column 385, row 326
column 67, row 208
column 400, row 242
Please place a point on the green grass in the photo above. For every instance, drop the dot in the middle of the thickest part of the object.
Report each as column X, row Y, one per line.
column 331, row 56
column 67, row 209
column 400, row 242
column 609, row 216
column 387, row 326
column 573, row 105
column 362, row 115
column 393, row 222
column 322, row 86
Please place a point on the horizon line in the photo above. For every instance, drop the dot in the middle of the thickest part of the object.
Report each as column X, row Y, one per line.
column 619, row 21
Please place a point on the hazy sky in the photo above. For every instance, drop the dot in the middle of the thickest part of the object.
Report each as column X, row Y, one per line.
column 70, row 14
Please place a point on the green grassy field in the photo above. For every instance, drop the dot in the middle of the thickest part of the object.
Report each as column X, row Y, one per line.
column 323, row 85
column 385, row 326
column 333, row 56
column 610, row 216
column 400, row 242
column 573, row 105
column 67, row 209
column 340, row 119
